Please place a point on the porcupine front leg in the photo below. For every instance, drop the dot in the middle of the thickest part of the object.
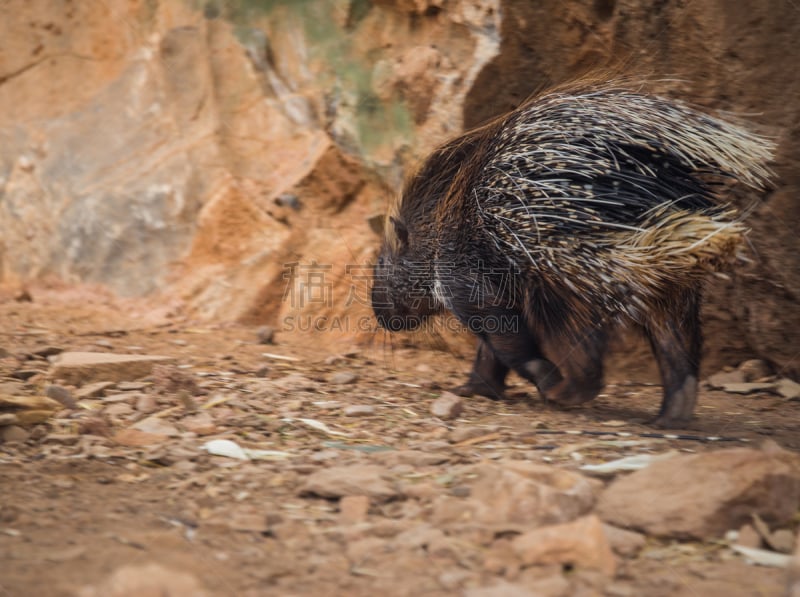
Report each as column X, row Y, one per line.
column 513, row 345
column 488, row 375
column 676, row 342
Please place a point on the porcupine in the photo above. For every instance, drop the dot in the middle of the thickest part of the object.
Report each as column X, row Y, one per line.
column 590, row 206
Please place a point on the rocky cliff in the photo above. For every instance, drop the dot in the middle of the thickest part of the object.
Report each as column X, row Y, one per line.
column 232, row 154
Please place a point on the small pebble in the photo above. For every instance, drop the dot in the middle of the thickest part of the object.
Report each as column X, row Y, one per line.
column 62, row 395
column 782, row 540
column 146, row 403
column 131, row 386
column 466, row 432
column 265, row 335
column 8, row 419
column 118, row 409
column 64, row 439
column 45, row 352
column 188, row 403
column 62, row 483
column 461, row 491
column 343, row 377
column 789, row 389
column 754, row 369
column 718, row 380
column 93, row 390
column 353, row 508
column 447, row 406
column 25, row 374
column 359, row 410
column 748, row 537
column 13, row 433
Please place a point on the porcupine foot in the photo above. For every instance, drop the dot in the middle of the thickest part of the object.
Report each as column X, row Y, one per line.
column 583, row 370
column 569, row 393
column 678, row 405
column 676, row 344
column 518, row 350
column 487, row 377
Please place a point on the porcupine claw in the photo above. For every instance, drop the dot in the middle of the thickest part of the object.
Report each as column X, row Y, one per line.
column 664, row 422
column 487, row 377
column 570, row 392
column 564, row 394
column 481, row 388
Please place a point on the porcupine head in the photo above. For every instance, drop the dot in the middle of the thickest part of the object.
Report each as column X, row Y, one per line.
column 403, row 289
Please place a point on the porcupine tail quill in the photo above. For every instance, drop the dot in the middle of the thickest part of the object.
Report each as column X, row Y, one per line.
column 689, row 244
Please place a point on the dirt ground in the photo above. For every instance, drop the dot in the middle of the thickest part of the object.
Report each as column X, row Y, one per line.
column 76, row 503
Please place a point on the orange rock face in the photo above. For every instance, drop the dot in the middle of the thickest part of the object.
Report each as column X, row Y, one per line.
column 153, row 147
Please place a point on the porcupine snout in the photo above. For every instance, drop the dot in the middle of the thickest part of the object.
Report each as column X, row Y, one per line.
column 401, row 300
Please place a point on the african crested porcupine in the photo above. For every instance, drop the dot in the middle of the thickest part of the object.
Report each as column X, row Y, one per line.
column 589, row 206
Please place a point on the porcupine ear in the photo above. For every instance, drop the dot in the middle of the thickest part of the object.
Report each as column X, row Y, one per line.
column 376, row 223
column 400, row 231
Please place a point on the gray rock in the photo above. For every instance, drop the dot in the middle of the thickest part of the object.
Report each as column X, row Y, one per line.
column 447, row 406
column 62, row 395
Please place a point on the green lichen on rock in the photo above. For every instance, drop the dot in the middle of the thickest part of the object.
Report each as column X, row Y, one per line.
column 347, row 76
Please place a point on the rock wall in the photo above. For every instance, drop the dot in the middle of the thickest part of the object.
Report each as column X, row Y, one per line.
column 232, row 153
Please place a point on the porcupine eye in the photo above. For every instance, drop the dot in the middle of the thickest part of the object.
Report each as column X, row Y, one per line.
column 401, row 232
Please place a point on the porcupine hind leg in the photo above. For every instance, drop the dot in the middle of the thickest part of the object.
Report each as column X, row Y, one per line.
column 583, row 369
column 488, row 375
column 676, row 342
